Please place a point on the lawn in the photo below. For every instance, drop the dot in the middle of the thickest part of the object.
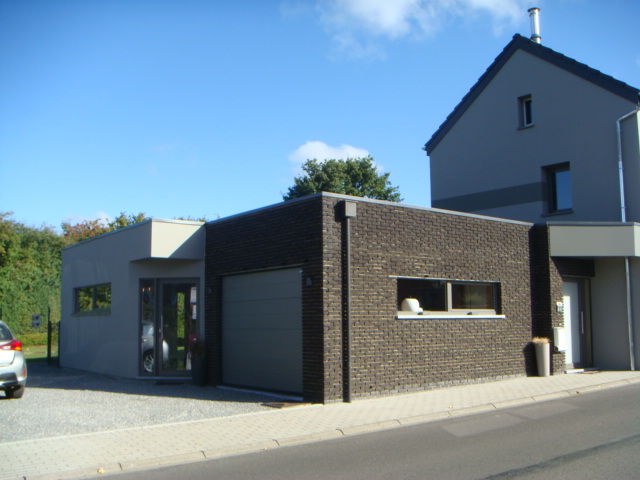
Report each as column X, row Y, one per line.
column 38, row 353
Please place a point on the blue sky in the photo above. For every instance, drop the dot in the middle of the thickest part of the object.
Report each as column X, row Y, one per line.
column 208, row 108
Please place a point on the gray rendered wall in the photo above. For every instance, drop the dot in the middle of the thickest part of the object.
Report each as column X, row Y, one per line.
column 485, row 152
column 609, row 313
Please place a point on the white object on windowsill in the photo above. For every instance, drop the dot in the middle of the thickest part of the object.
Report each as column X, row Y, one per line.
column 411, row 305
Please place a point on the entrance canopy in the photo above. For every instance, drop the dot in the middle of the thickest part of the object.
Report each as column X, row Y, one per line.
column 594, row 239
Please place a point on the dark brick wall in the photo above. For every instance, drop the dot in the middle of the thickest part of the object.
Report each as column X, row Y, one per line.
column 388, row 354
column 546, row 285
column 391, row 355
column 282, row 236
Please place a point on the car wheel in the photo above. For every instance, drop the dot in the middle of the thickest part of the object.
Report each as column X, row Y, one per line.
column 147, row 361
column 15, row 392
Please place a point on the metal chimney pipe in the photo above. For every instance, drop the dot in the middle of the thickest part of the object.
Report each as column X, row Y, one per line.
column 535, row 24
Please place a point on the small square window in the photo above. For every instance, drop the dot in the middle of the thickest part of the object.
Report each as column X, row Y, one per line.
column 525, row 111
column 559, row 196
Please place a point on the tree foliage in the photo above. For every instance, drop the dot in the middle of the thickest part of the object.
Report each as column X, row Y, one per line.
column 86, row 229
column 30, row 272
column 31, row 265
column 353, row 176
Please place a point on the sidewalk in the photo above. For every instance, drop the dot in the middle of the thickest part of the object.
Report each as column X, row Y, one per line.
column 139, row 448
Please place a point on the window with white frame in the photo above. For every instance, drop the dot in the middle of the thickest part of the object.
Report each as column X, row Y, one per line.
column 447, row 297
column 525, row 111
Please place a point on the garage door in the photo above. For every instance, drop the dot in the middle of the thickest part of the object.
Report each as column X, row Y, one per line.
column 262, row 330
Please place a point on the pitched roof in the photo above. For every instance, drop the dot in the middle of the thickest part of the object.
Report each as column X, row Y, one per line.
column 522, row 43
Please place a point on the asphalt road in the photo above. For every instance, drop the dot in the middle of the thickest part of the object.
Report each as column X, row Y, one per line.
column 591, row 436
column 60, row 402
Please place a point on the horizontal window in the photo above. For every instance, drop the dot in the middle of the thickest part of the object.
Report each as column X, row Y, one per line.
column 94, row 298
column 427, row 296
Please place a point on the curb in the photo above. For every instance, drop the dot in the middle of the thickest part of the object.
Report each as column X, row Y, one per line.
column 190, row 457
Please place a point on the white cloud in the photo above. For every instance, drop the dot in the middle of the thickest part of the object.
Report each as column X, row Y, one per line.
column 322, row 151
column 353, row 24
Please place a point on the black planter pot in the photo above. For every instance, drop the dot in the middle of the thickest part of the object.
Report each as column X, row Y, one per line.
column 199, row 371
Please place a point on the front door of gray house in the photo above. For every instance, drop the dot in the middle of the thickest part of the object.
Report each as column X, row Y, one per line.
column 168, row 325
column 576, row 323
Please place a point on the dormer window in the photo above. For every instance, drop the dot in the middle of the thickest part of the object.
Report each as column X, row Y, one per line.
column 525, row 111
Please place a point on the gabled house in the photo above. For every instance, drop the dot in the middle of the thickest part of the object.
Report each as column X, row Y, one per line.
column 545, row 139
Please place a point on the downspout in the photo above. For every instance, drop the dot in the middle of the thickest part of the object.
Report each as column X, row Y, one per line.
column 349, row 213
column 632, row 353
column 627, row 263
column 623, row 203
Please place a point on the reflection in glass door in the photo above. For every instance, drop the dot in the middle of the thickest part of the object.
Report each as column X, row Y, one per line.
column 169, row 324
column 178, row 322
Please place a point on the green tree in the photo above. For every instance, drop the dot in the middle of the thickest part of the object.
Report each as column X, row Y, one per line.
column 86, row 229
column 30, row 272
column 74, row 233
column 124, row 220
column 353, row 176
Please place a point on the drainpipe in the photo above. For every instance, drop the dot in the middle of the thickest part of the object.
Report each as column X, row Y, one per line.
column 627, row 263
column 632, row 353
column 350, row 212
column 623, row 203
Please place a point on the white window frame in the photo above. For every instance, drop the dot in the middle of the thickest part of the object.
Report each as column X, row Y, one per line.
column 525, row 110
column 450, row 311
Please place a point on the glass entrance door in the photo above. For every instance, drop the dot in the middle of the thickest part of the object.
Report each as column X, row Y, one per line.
column 178, row 325
column 169, row 325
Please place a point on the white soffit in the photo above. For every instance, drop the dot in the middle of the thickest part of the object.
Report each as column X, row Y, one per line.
column 595, row 240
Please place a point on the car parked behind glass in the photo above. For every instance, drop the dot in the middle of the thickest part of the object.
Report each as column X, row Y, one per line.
column 13, row 366
column 148, row 348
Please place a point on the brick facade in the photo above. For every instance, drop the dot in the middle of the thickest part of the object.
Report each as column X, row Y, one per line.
column 546, row 284
column 387, row 241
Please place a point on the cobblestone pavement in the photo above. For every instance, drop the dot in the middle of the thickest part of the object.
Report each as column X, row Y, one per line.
column 127, row 448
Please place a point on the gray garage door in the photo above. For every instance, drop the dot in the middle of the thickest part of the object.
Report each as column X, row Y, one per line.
column 262, row 330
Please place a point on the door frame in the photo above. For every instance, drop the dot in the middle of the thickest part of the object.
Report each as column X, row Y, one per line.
column 155, row 302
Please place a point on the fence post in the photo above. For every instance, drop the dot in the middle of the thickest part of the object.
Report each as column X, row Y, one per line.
column 49, row 332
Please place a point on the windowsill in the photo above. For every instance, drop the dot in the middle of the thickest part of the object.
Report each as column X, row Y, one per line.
column 414, row 316
column 558, row 212
column 526, row 127
column 93, row 313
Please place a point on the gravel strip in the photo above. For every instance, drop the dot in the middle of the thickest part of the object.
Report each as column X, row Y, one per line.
column 59, row 402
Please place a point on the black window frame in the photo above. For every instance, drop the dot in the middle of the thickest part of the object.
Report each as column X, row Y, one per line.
column 552, row 189
column 92, row 299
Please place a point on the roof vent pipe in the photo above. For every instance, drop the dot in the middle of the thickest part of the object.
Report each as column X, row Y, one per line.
column 535, row 24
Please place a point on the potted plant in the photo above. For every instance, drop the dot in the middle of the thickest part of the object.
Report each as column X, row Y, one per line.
column 543, row 357
column 198, row 352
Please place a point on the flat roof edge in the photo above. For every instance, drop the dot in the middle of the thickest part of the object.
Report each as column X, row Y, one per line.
column 368, row 200
column 128, row 227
